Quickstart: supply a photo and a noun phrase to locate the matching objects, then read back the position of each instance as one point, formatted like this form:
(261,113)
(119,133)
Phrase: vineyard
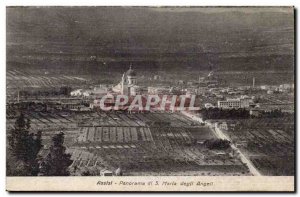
(139,143)
(163,156)
(269,142)
(17,80)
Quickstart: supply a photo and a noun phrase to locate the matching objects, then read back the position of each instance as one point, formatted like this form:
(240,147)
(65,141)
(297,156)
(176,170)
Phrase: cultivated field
(269,143)
(139,143)
(17,80)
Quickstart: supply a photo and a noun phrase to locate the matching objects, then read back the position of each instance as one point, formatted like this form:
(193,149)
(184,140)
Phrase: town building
(159,90)
(77,92)
(255,112)
(242,102)
(208,105)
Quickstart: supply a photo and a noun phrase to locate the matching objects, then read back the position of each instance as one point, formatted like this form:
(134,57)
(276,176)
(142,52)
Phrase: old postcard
(150,99)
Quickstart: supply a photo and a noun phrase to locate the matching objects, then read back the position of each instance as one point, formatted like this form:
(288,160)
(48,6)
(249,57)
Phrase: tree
(23,149)
(57,162)
(65,90)
(219,113)
(218,144)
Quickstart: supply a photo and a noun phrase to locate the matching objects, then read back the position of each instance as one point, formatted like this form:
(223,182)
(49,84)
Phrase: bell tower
(131,76)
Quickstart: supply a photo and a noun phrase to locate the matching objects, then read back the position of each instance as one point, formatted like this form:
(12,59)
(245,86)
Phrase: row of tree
(218,113)
(23,157)
(65,90)
(217,144)
(276,113)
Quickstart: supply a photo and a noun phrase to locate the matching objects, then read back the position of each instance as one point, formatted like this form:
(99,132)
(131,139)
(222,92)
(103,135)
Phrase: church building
(128,85)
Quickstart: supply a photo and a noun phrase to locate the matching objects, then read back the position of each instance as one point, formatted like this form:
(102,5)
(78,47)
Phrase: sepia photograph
(150,98)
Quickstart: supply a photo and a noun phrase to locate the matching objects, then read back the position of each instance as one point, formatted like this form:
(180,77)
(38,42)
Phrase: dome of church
(131,72)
